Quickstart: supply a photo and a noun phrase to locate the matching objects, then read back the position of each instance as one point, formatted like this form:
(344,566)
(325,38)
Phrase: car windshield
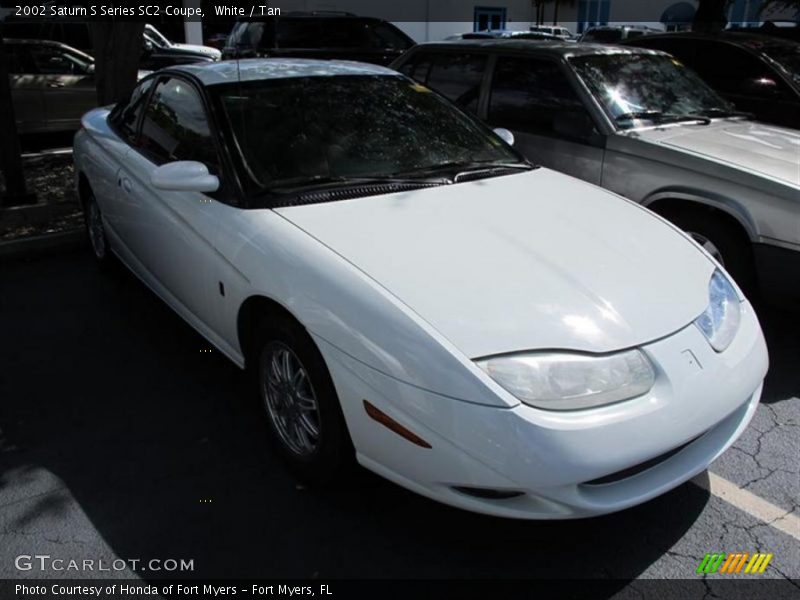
(295,131)
(787,56)
(648,87)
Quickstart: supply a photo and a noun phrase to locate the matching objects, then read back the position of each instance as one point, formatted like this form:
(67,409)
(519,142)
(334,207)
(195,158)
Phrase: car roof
(620,28)
(549,48)
(741,38)
(37,42)
(52,43)
(255,69)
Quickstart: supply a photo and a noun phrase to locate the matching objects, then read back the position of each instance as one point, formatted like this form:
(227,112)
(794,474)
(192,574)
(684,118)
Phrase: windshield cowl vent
(352,192)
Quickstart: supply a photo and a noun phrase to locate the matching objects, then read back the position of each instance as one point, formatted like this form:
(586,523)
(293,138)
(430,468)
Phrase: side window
(534,96)
(52,61)
(458,77)
(418,67)
(175,126)
(385,35)
(127,118)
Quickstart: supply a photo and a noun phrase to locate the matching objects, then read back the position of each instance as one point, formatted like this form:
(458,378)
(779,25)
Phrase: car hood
(526,261)
(763,149)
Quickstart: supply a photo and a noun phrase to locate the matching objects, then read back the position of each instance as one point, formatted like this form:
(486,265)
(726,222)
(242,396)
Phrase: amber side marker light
(381,417)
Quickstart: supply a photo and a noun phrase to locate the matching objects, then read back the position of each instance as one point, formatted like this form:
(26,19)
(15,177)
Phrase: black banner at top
(509,12)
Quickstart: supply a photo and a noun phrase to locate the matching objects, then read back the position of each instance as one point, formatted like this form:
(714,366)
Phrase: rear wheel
(300,402)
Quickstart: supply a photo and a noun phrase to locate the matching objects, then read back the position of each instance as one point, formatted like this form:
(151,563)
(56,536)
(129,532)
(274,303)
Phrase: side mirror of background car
(90,69)
(505,135)
(184,176)
(147,47)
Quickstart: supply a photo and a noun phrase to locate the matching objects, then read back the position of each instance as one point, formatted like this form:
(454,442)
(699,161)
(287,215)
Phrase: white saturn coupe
(411,293)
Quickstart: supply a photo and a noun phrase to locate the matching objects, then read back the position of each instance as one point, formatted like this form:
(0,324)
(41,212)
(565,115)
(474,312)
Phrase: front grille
(640,468)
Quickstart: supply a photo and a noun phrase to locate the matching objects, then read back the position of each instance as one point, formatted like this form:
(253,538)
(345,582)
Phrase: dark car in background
(320,35)
(759,74)
(76,34)
(52,85)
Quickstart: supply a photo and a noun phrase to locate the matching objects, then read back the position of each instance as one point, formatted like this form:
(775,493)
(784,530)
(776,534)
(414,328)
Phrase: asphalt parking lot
(121,437)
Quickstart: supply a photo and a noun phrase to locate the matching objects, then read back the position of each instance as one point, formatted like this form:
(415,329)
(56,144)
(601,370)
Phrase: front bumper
(700,404)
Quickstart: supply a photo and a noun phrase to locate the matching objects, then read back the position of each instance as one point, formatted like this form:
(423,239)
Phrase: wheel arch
(253,310)
(669,201)
(84,188)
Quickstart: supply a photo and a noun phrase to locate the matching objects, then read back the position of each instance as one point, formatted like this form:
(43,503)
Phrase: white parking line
(753,505)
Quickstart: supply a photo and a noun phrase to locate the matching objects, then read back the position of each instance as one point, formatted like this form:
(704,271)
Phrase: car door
(535,100)
(26,89)
(170,234)
(68,85)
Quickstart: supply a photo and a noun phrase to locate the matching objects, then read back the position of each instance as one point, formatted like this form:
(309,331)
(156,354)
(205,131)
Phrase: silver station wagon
(641,124)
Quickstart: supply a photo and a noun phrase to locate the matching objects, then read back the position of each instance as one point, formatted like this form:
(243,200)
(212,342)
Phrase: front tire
(300,403)
(95,230)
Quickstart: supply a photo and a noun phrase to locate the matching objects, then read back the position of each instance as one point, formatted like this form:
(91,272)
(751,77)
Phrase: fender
(729,206)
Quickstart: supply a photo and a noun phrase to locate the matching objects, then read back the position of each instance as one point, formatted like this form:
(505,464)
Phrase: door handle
(55,84)
(125,184)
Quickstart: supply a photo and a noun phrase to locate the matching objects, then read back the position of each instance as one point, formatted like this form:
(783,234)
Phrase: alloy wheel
(290,400)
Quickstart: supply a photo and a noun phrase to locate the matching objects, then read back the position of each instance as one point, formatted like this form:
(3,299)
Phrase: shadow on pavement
(164,450)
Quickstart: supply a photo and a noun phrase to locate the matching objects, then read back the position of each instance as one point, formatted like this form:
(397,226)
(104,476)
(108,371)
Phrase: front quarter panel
(766,209)
(270,257)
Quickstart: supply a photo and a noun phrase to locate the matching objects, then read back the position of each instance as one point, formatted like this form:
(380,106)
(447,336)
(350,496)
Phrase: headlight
(720,322)
(567,381)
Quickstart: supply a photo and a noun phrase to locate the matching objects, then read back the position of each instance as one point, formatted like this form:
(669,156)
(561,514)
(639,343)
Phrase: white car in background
(411,292)
(159,40)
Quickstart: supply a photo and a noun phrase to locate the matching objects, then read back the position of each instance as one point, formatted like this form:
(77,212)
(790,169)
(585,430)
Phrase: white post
(192,30)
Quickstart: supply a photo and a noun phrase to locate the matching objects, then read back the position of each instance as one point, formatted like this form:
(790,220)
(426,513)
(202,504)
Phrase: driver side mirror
(147,47)
(505,135)
(184,176)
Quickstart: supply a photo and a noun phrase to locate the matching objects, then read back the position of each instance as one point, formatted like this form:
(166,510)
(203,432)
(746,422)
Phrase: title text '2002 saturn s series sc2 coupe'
(409,290)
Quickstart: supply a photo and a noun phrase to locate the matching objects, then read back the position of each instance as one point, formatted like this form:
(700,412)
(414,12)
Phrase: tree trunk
(10,151)
(555,12)
(117,50)
(711,15)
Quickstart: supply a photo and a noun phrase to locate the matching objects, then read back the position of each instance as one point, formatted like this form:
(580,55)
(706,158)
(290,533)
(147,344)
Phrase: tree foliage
(711,15)
(117,50)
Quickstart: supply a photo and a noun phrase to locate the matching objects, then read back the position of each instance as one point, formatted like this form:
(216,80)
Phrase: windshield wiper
(722,113)
(466,166)
(702,119)
(641,114)
(661,117)
(302,184)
